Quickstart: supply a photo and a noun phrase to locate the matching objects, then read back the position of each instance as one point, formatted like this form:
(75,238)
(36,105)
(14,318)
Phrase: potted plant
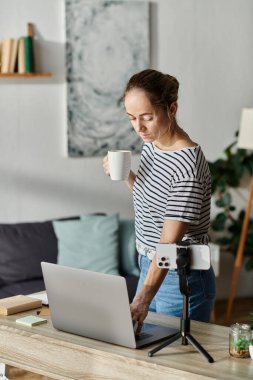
(241,339)
(227,173)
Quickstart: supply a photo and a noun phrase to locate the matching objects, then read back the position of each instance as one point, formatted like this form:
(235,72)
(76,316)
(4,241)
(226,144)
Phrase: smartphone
(166,256)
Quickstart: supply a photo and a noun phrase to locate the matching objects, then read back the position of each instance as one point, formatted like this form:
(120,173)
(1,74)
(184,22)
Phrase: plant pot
(251,351)
(239,340)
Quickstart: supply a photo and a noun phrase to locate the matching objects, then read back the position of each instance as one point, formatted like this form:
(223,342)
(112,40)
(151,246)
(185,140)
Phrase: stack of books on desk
(17,304)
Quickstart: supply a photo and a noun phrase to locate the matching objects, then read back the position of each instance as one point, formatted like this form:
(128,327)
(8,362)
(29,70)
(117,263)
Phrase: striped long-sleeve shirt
(173,185)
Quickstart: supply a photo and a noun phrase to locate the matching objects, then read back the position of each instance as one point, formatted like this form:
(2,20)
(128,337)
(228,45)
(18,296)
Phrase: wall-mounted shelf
(25,75)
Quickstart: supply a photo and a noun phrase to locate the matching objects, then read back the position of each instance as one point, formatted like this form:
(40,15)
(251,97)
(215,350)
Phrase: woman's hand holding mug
(117,164)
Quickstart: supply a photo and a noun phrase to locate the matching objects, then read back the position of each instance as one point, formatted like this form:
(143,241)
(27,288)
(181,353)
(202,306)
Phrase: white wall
(206,44)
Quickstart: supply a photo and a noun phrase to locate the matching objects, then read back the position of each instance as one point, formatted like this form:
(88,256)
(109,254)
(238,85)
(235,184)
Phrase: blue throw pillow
(90,243)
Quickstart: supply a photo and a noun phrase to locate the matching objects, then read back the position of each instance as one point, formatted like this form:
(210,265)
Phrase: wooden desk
(59,355)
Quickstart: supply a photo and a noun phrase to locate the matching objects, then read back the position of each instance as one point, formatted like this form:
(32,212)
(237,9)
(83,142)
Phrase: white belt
(145,251)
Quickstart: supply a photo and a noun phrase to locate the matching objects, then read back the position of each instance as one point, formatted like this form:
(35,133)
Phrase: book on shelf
(29,62)
(26,52)
(14,55)
(30,47)
(17,304)
(21,56)
(6,55)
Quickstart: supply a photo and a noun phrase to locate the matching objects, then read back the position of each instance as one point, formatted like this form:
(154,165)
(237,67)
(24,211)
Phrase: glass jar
(239,340)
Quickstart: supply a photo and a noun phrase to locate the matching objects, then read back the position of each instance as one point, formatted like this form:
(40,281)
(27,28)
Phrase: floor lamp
(245,141)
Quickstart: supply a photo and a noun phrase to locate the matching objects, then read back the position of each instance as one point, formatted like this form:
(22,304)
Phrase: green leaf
(241,152)
(218,224)
(227,151)
(224,201)
(221,186)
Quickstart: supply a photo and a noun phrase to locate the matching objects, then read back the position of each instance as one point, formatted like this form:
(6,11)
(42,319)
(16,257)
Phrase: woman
(171,193)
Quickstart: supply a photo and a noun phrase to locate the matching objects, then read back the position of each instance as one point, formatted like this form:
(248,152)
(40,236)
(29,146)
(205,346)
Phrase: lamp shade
(245,138)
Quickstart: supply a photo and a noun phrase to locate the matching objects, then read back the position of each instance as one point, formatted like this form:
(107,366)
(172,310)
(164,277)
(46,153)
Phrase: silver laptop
(95,305)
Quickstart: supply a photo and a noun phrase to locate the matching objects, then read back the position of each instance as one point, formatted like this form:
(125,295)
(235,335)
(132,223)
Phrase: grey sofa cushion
(22,248)
(24,287)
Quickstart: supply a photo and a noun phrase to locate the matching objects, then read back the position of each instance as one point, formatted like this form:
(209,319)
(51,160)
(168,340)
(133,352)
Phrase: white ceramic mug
(119,164)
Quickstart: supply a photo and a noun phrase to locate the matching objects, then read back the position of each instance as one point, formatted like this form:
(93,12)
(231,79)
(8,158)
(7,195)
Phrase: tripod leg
(199,348)
(171,339)
(184,340)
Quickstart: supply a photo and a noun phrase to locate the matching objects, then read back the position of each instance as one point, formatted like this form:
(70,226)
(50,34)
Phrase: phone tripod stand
(183,265)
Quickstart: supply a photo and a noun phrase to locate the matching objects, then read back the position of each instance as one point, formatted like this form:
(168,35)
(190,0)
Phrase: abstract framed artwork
(106,43)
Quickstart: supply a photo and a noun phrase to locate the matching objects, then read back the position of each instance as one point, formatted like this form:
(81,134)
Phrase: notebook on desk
(95,305)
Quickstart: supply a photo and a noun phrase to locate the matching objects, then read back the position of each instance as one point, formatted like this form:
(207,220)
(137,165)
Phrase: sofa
(97,242)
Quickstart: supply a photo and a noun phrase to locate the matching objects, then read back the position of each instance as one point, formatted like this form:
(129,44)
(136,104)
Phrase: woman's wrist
(146,294)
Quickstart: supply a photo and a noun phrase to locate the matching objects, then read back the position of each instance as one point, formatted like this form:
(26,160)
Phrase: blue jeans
(168,300)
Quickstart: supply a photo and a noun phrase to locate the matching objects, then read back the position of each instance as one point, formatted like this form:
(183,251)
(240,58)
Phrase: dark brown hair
(161,89)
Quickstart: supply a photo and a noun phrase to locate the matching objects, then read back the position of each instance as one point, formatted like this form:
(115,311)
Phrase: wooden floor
(241,313)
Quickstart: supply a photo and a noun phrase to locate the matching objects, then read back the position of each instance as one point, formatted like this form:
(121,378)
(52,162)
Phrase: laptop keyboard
(142,336)
(144,332)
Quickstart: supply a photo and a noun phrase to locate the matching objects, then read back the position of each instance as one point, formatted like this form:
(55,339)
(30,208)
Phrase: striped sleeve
(185,200)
